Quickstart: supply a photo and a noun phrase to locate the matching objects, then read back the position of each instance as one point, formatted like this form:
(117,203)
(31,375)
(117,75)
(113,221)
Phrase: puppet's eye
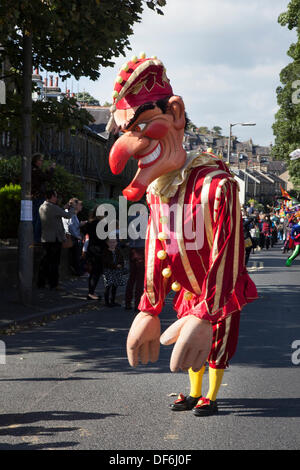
(140,127)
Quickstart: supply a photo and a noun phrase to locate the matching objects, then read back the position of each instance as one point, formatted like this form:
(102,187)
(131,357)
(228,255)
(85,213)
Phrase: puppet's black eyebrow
(144,107)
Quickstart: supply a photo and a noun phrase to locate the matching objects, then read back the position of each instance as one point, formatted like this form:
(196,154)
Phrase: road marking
(171,437)
(256,266)
(84,432)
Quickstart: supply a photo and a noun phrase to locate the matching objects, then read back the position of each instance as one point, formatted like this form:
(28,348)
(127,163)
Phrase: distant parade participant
(295,235)
(209,278)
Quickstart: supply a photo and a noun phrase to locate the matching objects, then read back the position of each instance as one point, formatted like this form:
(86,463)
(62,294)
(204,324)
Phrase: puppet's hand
(192,338)
(143,339)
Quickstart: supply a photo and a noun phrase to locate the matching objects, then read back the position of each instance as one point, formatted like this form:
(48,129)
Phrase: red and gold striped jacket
(195,246)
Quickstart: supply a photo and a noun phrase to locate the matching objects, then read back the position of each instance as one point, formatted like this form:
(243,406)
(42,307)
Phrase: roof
(277,165)
(101,115)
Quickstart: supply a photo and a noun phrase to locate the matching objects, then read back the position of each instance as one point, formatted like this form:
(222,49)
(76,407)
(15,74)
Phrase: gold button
(167,272)
(188,295)
(176,286)
(164,219)
(162,236)
(161,254)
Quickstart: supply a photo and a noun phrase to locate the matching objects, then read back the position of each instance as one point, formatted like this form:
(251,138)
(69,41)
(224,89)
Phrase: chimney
(56,82)
(51,80)
(36,71)
(45,82)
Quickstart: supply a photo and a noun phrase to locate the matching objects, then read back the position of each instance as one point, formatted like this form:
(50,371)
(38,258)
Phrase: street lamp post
(230,135)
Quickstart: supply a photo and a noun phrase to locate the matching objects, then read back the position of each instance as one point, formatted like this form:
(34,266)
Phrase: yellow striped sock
(215,380)
(196,382)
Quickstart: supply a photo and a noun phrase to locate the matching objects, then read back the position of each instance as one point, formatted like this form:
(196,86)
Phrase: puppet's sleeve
(226,269)
(156,287)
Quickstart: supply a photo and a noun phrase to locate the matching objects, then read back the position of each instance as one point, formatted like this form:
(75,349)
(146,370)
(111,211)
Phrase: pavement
(48,303)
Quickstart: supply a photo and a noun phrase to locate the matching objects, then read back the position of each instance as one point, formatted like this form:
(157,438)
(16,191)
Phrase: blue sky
(222,56)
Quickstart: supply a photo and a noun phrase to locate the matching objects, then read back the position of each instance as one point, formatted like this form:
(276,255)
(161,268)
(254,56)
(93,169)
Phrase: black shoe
(205,407)
(184,403)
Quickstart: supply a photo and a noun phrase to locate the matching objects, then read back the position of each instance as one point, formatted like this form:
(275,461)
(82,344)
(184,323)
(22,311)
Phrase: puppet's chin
(138,186)
(135,191)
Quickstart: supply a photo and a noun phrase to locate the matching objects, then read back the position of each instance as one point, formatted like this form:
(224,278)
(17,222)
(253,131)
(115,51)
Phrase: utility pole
(229,143)
(25,252)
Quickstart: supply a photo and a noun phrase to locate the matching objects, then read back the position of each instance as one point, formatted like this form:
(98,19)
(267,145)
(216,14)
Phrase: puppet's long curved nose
(125,147)
(118,157)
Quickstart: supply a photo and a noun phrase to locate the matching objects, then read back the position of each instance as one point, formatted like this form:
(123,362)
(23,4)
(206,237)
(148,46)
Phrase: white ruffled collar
(167,185)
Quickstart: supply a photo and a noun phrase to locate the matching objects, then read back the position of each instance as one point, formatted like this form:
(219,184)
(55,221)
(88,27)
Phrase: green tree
(203,130)
(191,126)
(68,38)
(64,115)
(217,130)
(10,196)
(85,97)
(286,127)
(66,184)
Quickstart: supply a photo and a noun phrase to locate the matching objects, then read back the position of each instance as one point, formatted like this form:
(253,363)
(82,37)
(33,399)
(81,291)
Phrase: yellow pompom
(188,295)
(161,254)
(119,79)
(115,94)
(162,236)
(134,59)
(125,67)
(142,55)
(167,272)
(176,286)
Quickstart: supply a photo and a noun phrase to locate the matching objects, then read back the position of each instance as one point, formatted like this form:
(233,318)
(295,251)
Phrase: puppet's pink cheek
(157,130)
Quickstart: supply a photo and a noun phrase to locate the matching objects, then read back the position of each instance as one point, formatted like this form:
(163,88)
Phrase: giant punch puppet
(203,265)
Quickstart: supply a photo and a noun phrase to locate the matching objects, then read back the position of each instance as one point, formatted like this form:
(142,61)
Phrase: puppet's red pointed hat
(139,81)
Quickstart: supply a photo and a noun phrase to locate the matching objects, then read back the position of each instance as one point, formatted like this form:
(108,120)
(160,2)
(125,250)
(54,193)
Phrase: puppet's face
(153,138)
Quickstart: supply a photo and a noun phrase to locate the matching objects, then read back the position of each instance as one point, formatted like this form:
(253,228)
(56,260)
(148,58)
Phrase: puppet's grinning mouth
(148,160)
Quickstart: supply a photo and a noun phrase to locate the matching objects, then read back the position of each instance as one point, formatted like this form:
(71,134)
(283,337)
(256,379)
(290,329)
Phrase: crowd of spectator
(264,230)
(89,255)
(118,262)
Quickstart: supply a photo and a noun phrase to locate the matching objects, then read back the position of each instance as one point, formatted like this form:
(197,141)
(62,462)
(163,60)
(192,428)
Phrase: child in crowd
(113,270)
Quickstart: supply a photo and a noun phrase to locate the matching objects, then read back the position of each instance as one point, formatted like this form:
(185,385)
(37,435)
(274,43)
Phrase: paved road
(67,384)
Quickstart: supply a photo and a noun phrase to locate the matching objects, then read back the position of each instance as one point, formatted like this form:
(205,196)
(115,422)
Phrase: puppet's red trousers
(225,339)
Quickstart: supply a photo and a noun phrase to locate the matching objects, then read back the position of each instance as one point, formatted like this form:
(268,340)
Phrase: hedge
(10,197)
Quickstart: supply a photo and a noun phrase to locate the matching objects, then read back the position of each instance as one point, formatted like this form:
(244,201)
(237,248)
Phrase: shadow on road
(261,408)
(19,425)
